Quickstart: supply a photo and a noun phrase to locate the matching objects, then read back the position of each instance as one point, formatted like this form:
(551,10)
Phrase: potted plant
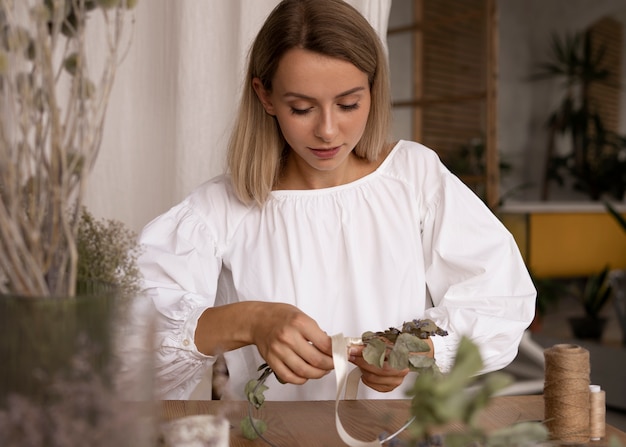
(549,292)
(56,75)
(594,295)
(596,162)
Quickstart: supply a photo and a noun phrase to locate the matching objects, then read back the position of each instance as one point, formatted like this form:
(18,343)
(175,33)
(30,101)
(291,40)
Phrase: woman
(322,227)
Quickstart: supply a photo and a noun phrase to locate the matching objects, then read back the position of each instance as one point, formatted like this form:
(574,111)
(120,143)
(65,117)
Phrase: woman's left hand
(383,379)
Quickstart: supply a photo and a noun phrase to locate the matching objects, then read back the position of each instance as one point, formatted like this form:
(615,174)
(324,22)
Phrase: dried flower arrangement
(53,112)
(62,384)
(58,62)
(107,255)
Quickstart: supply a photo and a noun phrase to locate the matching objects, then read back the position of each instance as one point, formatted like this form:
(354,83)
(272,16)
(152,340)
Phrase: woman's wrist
(228,327)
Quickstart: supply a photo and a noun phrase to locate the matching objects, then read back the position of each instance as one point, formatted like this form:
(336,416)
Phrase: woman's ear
(264,96)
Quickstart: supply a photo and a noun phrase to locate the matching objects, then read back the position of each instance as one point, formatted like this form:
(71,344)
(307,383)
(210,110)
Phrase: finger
(381,383)
(318,338)
(355,351)
(296,362)
(293,369)
(285,374)
(386,370)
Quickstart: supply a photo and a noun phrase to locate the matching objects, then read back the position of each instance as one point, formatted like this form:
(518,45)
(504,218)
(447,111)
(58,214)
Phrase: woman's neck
(296,176)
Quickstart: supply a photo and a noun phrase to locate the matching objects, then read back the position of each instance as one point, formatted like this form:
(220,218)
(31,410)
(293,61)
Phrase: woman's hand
(383,379)
(291,343)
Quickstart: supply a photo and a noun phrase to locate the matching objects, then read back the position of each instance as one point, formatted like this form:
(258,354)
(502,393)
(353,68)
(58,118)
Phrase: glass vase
(61,369)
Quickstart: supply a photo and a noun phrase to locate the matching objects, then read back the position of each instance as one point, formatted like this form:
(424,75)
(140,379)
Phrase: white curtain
(174,100)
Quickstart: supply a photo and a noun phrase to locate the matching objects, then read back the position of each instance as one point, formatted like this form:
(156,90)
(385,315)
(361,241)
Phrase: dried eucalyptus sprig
(457,397)
(402,348)
(251,427)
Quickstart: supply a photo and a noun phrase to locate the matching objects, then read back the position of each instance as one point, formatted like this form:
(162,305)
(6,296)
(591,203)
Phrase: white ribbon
(348,381)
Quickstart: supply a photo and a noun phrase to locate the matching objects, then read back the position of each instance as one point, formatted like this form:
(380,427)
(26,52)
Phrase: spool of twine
(597,413)
(566,393)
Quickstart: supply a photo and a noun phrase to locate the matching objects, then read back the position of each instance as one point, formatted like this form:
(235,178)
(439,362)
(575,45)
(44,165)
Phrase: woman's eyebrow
(340,95)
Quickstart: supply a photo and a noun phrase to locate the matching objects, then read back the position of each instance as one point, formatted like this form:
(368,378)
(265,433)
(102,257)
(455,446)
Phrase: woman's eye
(295,111)
(349,107)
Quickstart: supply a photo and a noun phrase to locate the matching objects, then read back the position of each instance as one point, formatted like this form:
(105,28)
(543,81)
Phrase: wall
(523,106)
(525,31)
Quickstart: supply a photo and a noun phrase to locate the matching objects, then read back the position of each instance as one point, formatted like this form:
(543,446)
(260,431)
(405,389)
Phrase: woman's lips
(325,153)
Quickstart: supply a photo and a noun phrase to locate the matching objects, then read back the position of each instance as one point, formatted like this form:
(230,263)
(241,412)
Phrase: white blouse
(407,241)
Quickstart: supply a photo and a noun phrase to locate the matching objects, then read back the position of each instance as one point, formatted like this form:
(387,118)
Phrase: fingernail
(353,351)
(352,358)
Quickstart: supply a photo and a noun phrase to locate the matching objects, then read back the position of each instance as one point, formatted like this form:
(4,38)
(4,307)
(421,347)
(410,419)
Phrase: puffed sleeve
(180,267)
(475,275)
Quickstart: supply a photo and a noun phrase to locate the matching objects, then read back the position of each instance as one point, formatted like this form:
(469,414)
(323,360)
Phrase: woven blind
(453,74)
(605,96)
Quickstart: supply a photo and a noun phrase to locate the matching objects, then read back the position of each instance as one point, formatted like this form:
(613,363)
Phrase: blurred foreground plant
(55,84)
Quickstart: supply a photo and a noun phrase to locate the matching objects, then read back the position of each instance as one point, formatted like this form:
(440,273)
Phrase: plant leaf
(413,343)
(254,392)
(418,362)
(375,352)
(399,357)
(247,430)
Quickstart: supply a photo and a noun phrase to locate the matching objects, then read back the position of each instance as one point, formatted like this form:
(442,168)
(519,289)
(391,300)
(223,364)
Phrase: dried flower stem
(52,124)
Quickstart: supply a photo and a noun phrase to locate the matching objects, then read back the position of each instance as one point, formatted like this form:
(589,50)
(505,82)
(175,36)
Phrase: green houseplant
(596,293)
(593,296)
(596,162)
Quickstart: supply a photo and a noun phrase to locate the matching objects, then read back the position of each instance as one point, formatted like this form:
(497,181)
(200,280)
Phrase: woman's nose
(326,128)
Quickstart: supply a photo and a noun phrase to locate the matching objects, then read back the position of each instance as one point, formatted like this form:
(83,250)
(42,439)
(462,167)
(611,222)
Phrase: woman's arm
(291,342)
(476,277)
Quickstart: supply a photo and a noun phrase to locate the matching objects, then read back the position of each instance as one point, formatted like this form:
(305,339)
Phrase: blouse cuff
(189,334)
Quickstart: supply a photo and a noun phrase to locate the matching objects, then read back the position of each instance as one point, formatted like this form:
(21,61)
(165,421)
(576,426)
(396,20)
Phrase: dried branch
(53,116)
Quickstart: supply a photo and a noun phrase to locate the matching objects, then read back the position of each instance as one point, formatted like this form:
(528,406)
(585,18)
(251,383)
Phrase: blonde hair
(328,27)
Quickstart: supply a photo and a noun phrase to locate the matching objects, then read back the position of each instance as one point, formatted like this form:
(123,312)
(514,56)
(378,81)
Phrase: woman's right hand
(292,343)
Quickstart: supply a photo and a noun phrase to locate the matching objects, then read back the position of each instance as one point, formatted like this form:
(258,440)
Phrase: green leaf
(399,357)
(467,363)
(108,4)
(413,343)
(463,439)
(375,352)
(368,335)
(491,384)
(71,63)
(254,392)
(419,362)
(248,430)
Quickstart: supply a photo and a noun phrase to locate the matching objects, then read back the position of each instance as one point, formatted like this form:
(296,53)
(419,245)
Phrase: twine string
(597,414)
(566,393)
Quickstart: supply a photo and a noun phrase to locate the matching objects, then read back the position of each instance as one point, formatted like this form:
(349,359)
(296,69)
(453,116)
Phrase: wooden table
(312,423)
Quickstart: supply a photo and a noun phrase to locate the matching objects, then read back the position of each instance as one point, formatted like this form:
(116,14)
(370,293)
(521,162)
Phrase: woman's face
(321,104)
